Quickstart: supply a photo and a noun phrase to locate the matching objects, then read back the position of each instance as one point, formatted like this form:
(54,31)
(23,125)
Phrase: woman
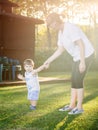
(74,41)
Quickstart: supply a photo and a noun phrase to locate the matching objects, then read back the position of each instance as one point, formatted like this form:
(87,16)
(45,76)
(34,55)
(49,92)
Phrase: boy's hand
(20,76)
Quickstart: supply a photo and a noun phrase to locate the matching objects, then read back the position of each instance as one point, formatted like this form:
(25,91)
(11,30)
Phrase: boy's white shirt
(32,81)
(70,34)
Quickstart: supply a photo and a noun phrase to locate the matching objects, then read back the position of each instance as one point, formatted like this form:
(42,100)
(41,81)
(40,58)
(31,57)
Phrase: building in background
(17,33)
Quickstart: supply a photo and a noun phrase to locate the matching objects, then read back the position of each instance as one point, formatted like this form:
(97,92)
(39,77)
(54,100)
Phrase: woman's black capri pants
(77,77)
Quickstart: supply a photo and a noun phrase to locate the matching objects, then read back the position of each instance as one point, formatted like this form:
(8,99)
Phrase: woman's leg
(77,93)
(78,82)
(73,97)
(80,96)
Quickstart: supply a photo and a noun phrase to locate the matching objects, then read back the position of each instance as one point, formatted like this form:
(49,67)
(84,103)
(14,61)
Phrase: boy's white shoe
(32,107)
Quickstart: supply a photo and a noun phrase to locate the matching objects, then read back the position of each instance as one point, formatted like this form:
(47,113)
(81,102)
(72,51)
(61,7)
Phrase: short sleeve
(74,33)
(59,42)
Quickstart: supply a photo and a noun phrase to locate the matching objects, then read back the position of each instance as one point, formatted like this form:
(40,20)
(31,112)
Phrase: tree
(69,9)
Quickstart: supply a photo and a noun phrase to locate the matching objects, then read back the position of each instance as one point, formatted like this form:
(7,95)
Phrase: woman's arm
(55,55)
(39,69)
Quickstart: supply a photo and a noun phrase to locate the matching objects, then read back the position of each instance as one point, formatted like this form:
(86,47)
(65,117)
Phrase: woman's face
(52,24)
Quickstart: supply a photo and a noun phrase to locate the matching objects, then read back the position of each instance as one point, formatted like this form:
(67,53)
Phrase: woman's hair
(53,17)
(29,62)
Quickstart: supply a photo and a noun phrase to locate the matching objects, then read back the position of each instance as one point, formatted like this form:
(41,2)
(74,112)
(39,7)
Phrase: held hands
(42,67)
(46,65)
(82,67)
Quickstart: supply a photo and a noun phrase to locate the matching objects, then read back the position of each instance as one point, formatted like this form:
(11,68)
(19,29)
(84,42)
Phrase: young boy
(31,78)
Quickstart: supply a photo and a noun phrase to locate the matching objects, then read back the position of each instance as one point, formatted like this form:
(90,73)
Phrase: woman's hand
(54,56)
(82,67)
(46,66)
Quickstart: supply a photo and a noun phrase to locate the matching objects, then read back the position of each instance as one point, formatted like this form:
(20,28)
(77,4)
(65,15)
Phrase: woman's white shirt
(67,38)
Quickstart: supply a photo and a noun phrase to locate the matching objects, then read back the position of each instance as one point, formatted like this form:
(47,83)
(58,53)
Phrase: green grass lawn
(15,113)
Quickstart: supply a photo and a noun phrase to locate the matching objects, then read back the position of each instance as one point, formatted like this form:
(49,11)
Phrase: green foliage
(42,39)
(41,8)
(32,8)
(70,10)
(63,63)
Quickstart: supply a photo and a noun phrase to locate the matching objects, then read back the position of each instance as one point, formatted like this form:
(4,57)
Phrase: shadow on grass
(13,114)
(95,125)
(90,97)
(11,117)
(52,121)
(59,120)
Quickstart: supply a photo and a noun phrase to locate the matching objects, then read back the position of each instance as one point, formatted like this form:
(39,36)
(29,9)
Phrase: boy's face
(28,68)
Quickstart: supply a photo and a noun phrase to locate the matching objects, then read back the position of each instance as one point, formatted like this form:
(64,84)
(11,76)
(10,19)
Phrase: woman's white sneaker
(75,111)
(65,108)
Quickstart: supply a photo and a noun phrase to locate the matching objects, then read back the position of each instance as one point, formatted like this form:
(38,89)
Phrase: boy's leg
(33,98)
(33,103)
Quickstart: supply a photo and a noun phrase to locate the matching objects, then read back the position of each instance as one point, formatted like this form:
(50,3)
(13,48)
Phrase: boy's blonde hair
(29,62)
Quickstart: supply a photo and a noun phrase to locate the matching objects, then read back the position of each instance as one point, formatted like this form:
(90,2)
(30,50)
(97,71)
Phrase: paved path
(42,80)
